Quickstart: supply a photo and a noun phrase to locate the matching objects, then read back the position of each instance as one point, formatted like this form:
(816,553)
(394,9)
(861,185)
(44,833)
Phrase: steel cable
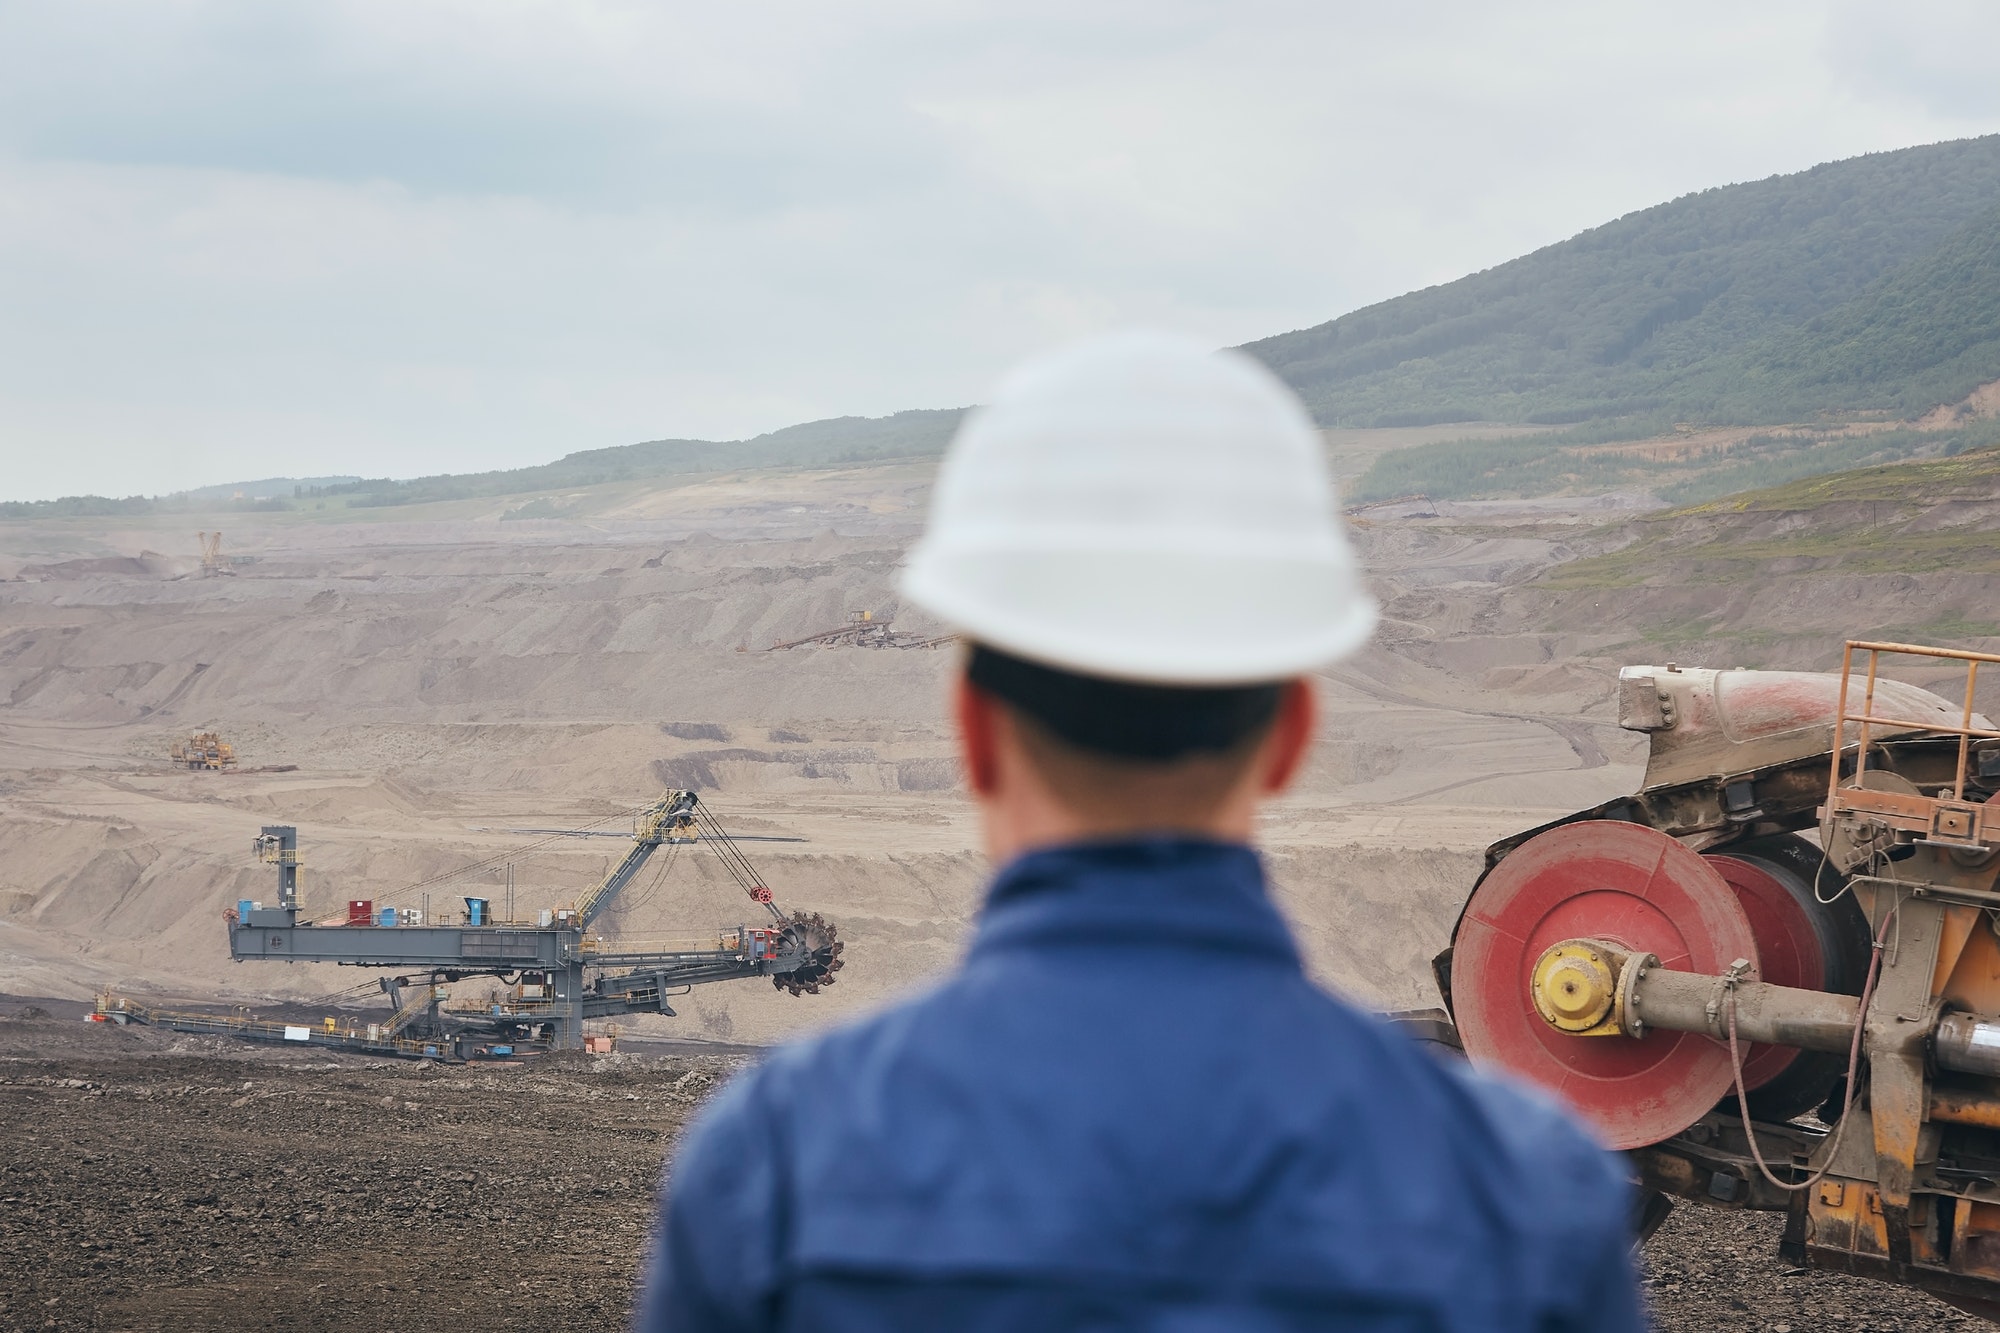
(1853,1070)
(501,857)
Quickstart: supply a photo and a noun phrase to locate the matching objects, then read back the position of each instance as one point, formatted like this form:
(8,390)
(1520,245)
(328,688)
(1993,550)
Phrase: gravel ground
(1709,1269)
(155,1181)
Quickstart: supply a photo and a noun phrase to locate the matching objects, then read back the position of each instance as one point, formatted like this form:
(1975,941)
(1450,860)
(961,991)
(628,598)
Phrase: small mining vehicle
(863,630)
(558,970)
(1772,975)
(203,750)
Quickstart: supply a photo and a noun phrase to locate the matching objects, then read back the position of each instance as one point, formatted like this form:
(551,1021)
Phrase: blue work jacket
(1130,1109)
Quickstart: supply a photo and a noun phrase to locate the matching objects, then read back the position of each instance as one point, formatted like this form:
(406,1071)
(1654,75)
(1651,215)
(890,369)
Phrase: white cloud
(240,239)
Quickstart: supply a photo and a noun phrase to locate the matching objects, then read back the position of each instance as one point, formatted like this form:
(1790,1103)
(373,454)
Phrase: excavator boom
(561,973)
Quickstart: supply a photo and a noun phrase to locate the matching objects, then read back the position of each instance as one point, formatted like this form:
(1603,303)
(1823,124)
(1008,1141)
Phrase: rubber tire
(1844,942)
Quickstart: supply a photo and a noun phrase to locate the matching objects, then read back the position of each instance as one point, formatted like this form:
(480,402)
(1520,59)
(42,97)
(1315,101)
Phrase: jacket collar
(1162,890)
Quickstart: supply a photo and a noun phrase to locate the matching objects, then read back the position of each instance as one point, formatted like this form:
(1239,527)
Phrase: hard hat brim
(1157,618)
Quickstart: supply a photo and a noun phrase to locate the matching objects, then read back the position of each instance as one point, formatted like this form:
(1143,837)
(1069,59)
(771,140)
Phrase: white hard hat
(1142,508)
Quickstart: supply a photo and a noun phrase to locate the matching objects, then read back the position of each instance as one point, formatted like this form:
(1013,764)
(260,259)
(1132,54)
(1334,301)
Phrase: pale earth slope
(438,678)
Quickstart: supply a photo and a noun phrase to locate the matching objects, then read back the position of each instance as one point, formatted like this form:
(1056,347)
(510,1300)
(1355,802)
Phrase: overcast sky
(246,238)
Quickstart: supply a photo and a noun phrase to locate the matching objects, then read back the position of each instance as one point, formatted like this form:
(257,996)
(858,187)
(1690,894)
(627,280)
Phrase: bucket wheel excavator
(1772,975)
(561,971)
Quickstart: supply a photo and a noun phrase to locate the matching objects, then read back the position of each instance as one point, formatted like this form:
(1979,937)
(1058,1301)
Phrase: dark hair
(1155,723)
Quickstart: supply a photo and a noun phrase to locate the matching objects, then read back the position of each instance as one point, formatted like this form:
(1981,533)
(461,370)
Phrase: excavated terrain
(150,1181)
(421,691)
(409,694)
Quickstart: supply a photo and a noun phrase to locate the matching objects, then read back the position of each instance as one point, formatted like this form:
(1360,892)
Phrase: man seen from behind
(1129,1108)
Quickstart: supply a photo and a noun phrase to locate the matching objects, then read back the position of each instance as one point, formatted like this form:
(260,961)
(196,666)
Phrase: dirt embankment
(1780,577)
(475,631)
(436,688)
(439,687)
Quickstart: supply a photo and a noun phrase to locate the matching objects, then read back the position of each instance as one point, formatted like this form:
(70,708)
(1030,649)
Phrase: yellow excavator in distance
(204,750)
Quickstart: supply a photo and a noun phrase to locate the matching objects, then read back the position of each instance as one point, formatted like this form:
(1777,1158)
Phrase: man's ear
(977,716)
(1291,736)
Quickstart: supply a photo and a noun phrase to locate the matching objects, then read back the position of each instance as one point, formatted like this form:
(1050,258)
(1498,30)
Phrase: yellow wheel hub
(1574,986)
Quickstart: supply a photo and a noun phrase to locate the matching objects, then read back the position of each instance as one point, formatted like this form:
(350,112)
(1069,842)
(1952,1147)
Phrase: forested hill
(838,442)
(1925,334)
(1863,289)
(1869,285)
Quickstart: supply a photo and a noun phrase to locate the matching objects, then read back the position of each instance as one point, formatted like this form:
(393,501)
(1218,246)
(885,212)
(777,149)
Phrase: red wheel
(1820,938)
(1630,886)
(1788,950)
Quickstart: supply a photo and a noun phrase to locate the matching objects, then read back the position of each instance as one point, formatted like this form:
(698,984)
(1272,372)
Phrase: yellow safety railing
(1948,820)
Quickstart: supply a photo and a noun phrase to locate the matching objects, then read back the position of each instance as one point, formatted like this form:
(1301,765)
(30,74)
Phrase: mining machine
(213,565)
(203,750)
(863,630)
(558,970)
(1772,975)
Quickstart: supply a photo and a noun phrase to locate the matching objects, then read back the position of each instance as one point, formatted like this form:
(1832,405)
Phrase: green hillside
(833,443)
(1533,465)
(1778,577)
(1748,303)
(1902,518)
(1865,291)
(1926,333)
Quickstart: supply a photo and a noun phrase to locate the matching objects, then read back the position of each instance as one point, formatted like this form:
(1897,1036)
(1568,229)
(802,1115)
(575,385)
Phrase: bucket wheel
(1631,887)
(1640,890)
(816,941)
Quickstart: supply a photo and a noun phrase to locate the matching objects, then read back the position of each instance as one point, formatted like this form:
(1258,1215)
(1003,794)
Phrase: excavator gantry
(562,973)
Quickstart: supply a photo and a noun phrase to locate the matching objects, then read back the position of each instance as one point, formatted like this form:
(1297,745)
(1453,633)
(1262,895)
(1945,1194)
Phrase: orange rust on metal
(1839,725)
(1973,982)
(1910,839)
(1936,817)
(1955,934)
(1851,1226)
(1968,730)
(1896,804)
(1897,1057)
(1846,1217)
(1965,739)
(1960,1106)
(1976,1232)
(1952,820)
(1867,710)
(1923,650)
